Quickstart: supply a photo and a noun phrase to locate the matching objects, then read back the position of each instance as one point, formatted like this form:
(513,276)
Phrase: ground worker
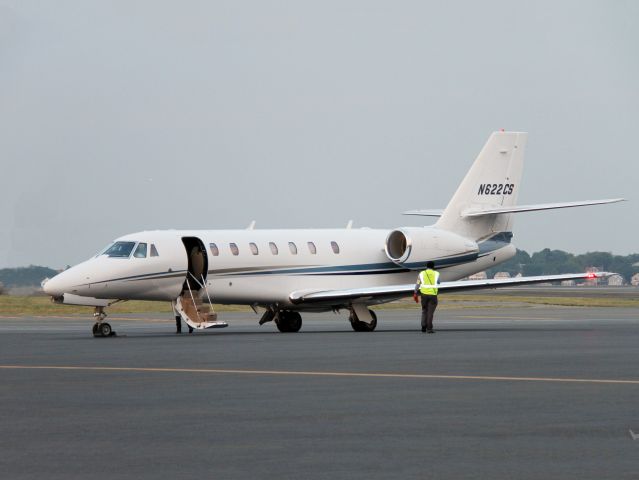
(426,286)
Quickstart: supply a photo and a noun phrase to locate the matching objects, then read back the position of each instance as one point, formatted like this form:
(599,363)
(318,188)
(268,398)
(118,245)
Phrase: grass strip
(42,306)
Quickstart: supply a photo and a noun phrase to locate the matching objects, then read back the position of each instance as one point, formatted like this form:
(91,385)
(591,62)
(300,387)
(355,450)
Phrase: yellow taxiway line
(322,374)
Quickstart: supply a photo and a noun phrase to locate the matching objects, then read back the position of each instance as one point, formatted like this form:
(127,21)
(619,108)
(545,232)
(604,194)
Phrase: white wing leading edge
(535,208)
(392,292)
(479,211)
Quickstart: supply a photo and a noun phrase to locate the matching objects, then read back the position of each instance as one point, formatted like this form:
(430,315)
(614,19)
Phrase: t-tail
(486,199)
(493,181)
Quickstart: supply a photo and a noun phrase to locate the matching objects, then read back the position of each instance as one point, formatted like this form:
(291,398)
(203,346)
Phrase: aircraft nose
(53,286)
(63,282)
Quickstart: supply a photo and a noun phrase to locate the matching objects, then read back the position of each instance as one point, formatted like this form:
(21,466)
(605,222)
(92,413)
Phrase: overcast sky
(121,116)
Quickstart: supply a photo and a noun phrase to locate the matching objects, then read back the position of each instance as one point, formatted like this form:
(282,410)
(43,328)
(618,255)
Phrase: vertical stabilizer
(493,181)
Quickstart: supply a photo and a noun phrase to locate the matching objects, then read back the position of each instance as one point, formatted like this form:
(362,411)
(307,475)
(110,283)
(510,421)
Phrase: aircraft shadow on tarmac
(443,331)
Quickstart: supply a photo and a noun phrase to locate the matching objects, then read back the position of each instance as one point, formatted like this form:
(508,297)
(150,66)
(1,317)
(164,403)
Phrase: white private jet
(286,272)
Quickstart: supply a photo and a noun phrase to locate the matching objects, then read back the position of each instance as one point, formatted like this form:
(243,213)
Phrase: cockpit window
(140,252)
(154,251)
(120,250)
(103,251)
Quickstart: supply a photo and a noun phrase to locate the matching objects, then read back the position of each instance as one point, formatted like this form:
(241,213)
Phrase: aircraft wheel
(360,326)
(296,322)
(96,330)
(105,329)
(289,322)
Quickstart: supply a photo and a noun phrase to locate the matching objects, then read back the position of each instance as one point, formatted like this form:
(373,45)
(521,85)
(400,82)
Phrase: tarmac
(514,392)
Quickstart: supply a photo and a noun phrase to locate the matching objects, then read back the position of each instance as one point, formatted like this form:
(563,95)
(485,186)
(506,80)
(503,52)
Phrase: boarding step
(197,314)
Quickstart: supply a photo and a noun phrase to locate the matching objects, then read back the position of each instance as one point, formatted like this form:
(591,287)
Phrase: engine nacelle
(412,247)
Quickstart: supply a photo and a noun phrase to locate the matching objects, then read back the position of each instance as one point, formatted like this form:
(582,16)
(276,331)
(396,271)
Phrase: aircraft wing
(393,292)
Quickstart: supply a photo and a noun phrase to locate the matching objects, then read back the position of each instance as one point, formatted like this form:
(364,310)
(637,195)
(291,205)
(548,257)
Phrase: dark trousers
(178,325)
(429,304)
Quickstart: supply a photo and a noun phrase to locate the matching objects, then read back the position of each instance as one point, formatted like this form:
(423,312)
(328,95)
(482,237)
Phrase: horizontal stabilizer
(424,213)
(477,212)
(392,292)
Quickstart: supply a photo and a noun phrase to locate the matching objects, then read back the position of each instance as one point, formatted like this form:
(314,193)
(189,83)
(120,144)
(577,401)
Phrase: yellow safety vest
(428,282)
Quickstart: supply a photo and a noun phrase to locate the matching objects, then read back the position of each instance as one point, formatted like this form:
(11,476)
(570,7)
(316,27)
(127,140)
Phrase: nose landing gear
(100,327)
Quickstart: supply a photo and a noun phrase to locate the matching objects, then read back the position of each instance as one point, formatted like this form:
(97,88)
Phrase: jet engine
(412,247)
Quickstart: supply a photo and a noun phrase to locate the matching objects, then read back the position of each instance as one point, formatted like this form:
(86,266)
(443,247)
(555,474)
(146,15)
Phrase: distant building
(478,276)
(502,275)
(615,280)
(634,281)
(568,283)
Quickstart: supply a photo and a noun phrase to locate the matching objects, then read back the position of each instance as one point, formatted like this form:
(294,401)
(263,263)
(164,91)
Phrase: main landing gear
(286,321)
(361,326)
(100,327)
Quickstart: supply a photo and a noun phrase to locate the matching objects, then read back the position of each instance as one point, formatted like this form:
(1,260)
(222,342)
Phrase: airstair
(194,310)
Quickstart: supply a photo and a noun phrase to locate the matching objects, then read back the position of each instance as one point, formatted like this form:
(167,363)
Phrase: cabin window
(154,251)
(273,247)
(234,249)
(292,247)
(335,247)
(140,251)
(254,249)
(214,250)
(120,250)
(311,248)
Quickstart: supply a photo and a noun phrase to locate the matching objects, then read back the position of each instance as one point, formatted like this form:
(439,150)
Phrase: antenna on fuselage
(349,225)
(251,226)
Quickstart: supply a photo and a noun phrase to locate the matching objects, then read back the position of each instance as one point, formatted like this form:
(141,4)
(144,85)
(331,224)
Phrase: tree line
(551,262)
(30,276)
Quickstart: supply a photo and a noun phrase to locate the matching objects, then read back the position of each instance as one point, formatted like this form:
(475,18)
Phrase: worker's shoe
(430,331)
(423,329)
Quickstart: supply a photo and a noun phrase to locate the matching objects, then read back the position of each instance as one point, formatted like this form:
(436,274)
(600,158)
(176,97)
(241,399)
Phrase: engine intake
(412,247)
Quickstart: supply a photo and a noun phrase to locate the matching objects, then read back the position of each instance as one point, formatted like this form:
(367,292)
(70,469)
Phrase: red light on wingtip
(591,275)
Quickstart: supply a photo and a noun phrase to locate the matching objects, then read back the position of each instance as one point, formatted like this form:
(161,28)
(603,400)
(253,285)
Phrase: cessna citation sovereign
(285,272)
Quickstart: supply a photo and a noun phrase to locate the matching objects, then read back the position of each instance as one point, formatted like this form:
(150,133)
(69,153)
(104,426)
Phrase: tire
(360,326)
(281,322)
(295,322)
(105,330)
(96,330)
(288,322)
